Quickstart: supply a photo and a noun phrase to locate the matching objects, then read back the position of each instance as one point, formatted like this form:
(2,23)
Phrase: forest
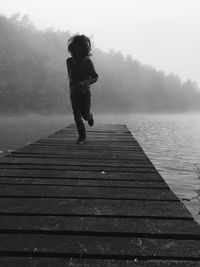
(33,76)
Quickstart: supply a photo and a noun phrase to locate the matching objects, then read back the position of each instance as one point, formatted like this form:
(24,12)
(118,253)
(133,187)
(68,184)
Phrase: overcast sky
(161,33)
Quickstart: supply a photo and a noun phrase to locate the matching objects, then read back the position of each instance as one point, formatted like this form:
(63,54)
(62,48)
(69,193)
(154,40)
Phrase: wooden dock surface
(98,204)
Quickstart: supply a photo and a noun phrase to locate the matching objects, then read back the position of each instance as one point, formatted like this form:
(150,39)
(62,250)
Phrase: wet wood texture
(102,203)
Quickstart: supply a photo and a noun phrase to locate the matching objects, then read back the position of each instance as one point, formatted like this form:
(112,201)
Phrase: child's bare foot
(80,141)
(91,121)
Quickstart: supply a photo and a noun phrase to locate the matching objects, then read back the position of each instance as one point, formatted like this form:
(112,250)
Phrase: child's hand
(80,84)
(85,82)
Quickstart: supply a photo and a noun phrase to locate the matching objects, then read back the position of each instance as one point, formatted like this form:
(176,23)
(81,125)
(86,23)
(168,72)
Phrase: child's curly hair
(79,46)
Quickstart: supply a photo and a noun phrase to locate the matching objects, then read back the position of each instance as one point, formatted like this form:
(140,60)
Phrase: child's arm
(89,81)
(93,75)
(68,68)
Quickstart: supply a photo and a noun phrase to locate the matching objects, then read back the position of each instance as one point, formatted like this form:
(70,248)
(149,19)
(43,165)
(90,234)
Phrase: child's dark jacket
(79,71)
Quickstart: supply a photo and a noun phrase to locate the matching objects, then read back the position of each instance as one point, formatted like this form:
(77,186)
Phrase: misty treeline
(33,76)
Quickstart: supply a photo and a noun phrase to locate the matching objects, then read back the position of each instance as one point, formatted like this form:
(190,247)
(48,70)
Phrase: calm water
(172,142)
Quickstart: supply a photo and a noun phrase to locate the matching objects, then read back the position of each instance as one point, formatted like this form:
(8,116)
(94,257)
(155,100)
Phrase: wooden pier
(98,204)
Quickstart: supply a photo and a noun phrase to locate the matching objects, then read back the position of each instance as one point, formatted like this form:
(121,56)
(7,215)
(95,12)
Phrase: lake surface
(172,142)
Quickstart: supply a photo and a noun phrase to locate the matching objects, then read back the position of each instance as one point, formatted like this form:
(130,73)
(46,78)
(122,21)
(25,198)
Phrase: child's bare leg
(85,106)
(77,117)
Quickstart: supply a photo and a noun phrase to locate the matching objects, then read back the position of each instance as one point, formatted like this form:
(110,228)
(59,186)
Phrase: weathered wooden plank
(97,128)
(141,176)
(74,133)
(96,133)
(81,154)
(76,167)
(76,149)
(97,138)
(110,247)
(72,146)
(90,144)
(137,227)
(87,145)
(102,127)
(91,140)
(103,131)
(81,262)
(101,124)
(66,133)
(84,147)
(97,207)
(86,192)
(99,132)
(79,162)
(94,129)
(84,182)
